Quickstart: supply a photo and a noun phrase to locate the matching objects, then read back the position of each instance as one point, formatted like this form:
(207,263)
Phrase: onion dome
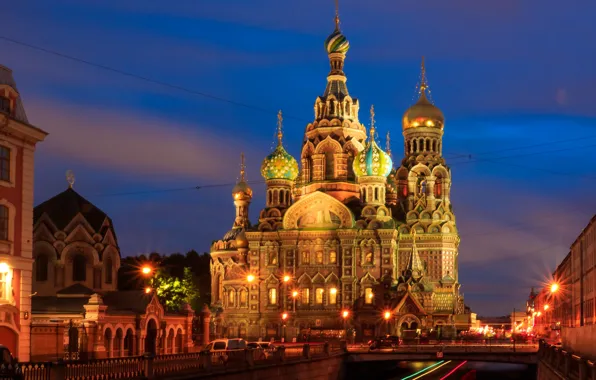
(372,161)
(242,190)
(241,240)
(279,164)
(423,113)
(337,43)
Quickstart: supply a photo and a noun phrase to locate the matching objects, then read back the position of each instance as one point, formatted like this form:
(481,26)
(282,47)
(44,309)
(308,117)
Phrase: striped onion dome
(337,43)
(372,161)
(279,165)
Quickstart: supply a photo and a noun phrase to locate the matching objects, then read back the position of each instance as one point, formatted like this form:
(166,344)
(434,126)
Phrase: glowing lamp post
(387,316)
(147,290)
(250,278)
(284,318)
(146,270)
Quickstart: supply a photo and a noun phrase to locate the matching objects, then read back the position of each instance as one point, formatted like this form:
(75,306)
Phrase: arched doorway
(10,339)
(73,340)
(118,351)
(107,342)
(170,341)
(179,341)
(151,337)
(129,343)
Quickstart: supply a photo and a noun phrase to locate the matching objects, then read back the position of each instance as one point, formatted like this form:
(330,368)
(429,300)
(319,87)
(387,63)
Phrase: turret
(242,195)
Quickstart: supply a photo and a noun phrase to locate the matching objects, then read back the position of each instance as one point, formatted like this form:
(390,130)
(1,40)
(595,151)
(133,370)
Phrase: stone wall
(327,368)
(580,340)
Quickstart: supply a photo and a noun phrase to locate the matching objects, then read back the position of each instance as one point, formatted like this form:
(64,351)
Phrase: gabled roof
(62,208)
(75,290)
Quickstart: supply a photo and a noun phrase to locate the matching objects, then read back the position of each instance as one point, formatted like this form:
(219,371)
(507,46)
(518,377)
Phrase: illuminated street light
(345,314)
(146,270)
(387,315)
(554,287)
(4,268)
(286,278)
(250,278)
(546,307)
(147,290)
(284,316)
(295,293)
(539,314)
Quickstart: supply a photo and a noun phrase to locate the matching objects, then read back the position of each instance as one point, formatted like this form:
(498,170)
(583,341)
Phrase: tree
(174,292)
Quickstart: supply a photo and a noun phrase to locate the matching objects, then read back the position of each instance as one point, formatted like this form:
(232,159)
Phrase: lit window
(332,296)
(4,104)
(368,296)
(5,277)
(319,257)
(305,257)
(273,258)
(41,268)
(3,222)
(4,163)
(319,295)
(231,297)
(243,297)
(305,299)
(273,296)
(332,257)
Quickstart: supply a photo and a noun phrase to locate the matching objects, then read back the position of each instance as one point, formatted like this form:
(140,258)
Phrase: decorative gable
(318,210)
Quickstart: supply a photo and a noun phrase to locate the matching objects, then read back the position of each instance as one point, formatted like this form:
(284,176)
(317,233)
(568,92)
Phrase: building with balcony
(345,240)
(18,139)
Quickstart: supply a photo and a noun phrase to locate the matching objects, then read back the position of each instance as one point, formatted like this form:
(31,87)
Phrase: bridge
(301,361)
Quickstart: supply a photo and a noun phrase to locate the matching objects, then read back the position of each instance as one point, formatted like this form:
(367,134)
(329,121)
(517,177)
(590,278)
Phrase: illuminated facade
(77,310)
(18,139)
(345,230)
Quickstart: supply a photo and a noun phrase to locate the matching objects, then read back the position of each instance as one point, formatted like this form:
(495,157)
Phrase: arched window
(368,258)
(243,297)
(329,165)
(351,174)
(272,296)
(439,187)
(332,257)
(41,268)
(79,268)
(109,268)
(305,297)
(368,296)
(231,297)
(319,257)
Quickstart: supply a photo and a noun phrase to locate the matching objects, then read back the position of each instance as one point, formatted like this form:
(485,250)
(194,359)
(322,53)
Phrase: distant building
(342,230)
(77,310)
(18,139)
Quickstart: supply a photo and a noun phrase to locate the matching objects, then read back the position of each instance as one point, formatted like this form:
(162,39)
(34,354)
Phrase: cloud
(132,143)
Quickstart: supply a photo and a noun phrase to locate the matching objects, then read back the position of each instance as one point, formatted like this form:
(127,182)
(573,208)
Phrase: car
(222,350)
(387,341)
(263,350)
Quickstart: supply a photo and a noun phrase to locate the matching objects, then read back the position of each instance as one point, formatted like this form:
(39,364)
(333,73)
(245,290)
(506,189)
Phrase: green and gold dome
(337,43)
(279,164)
(372,161)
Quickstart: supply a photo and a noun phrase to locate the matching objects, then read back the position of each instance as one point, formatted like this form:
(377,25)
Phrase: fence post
(58,370)
(326,348)
(148,361)
(306,351)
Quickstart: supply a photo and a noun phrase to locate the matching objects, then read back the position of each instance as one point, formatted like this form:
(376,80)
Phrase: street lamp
(387,315)
(287,278)
(345,314)
(146,270)
(284,317)
(250,278)
(546,307)
(148,290)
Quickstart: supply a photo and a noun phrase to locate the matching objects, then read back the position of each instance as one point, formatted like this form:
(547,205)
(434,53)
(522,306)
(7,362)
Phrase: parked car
(387,341)
(221,349)
(263,350)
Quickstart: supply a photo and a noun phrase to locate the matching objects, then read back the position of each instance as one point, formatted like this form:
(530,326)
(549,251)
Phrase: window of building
(319,292)
(79,268)
(332,296)
(5,290)
(4,163)
(231,297)
(329,165)
(332,257)
(368,258)
(319,257)
(4,104)
(368,296)
(243,297)
(273,258)
(272,296)
(3,222)
(305,298)
(109,269)
(305,257)
(41,268)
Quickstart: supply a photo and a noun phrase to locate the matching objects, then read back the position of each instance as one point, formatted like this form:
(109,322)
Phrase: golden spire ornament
(423,83)
(388,144)
(70,178)
(372,122)
(242,167)
(337,15)
(280,120)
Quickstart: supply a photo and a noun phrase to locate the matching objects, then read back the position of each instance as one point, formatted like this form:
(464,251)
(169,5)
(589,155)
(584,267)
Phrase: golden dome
(423,114)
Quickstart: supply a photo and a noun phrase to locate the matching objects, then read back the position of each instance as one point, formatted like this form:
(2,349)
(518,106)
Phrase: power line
(146,79)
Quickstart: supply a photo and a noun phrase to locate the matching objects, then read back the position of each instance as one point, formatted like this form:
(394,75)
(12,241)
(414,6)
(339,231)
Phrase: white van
(220,349)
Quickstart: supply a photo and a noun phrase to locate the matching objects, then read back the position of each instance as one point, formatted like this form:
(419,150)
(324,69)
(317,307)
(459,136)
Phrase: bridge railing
(150,366)
(566,364)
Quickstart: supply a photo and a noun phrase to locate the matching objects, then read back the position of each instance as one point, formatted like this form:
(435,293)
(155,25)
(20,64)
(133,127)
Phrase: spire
(423,83)
(388,145)
(337,15)
(70,178)
(415,268)
(279,127)
(242,168)
(372,123)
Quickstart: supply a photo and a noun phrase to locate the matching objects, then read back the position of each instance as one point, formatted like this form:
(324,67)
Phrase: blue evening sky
(515,80)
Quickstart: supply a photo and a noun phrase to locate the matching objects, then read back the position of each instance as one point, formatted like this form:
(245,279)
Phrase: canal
(444,369)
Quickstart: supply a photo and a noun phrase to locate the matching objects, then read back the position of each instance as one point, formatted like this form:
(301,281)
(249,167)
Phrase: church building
(77,310)
(346,240)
